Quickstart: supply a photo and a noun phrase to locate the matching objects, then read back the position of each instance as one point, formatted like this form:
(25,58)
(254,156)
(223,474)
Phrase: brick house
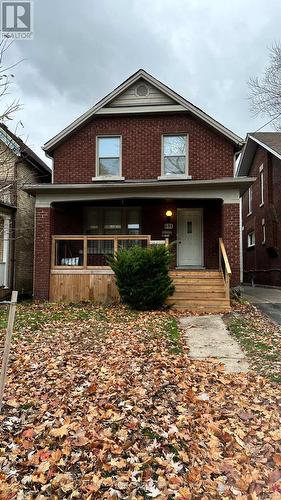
(261,208)
(19,165)
(142,166)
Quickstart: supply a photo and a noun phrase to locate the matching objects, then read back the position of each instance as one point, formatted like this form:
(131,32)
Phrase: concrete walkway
(208,337)
(268,300)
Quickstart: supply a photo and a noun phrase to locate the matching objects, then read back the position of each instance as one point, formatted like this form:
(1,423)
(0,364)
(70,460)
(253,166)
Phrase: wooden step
(199,291)
(198,282)
(213,309)
(200,300)
(184,294)
(199,275)
(199,288)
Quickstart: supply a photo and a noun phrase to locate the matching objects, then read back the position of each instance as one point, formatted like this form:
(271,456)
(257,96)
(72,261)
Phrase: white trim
(108,177)
(191,210)
(141,109)
(144,75)
(175,176)
(103,178)
(260,143)
(265,146)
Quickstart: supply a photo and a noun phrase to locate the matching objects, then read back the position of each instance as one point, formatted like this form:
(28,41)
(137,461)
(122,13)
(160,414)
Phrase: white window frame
(108,177)
(251,244)
(250,200)
(166,177)
(261,185)
(263,232)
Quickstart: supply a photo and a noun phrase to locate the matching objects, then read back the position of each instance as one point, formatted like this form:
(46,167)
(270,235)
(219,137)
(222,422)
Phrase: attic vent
(142,90)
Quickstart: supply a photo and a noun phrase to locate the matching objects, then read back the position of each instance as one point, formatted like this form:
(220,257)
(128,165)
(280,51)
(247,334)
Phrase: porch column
(44,228)
(231,238)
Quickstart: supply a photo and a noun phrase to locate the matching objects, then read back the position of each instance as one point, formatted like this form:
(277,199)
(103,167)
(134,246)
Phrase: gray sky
(205,50)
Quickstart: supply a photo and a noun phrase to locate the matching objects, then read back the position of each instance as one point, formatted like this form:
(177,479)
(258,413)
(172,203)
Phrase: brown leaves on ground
(259,337)
(105,403)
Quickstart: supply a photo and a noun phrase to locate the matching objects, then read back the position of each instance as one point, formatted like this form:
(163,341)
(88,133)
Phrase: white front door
(189,246)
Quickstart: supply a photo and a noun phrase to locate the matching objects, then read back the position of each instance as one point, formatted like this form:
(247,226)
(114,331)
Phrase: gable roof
(16,144)
(181,104)
(271,141)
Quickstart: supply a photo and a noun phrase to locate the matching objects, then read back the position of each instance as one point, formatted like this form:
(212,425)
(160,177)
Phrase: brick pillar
(231,238)
(44,223)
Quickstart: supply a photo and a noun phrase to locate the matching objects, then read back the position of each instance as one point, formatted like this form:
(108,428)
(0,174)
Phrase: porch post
(231,238)
(44,228)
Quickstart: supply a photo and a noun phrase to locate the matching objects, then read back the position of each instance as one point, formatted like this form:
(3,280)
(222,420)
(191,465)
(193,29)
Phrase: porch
(200,269)
(193,215)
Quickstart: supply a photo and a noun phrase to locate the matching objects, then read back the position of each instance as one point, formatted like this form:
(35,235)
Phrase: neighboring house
(141,166)
(19,165)
(261,208)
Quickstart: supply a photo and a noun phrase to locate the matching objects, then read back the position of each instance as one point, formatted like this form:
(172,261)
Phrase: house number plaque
(168,226)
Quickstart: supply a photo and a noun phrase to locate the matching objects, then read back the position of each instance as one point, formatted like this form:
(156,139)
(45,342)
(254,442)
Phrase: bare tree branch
(265,92)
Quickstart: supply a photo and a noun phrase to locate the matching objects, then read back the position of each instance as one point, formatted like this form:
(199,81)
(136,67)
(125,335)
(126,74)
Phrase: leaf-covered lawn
(105,403)
(259,337)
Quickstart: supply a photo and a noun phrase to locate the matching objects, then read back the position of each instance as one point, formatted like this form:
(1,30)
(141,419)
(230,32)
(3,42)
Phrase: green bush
(142,276)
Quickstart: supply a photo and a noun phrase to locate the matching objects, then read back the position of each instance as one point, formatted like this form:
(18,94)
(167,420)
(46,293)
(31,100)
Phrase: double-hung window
(108,156)
(263,231)
(261,186)
(251,239)
(250,200)
(174,155)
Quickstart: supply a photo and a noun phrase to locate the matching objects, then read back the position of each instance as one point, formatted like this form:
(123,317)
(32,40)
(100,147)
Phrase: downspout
(241,241)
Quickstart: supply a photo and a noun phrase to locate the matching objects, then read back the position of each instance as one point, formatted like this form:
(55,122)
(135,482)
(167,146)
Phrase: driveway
(268,300)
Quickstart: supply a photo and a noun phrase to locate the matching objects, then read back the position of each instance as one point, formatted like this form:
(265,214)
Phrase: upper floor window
(251,239)
(250,200)
(108,156)
(174,155)
(261,186)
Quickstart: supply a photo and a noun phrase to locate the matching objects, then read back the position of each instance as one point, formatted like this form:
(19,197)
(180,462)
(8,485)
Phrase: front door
(189,246)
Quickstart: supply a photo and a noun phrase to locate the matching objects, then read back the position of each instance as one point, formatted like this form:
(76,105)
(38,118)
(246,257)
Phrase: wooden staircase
(200,291)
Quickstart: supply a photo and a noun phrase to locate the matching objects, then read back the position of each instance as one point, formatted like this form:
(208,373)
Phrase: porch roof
(146,188)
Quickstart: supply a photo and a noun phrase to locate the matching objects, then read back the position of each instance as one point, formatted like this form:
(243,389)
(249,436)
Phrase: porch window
(251,239)
(174,155)
(112,220)
(108,156)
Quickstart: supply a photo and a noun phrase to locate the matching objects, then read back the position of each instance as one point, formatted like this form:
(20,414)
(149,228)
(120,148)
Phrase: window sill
(251,246)
(173,177)
(108,178)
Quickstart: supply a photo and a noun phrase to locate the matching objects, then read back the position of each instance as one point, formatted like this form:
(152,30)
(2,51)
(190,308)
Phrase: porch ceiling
(227,189)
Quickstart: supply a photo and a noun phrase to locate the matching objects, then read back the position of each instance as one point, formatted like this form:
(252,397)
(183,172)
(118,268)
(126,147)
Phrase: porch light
(169,213)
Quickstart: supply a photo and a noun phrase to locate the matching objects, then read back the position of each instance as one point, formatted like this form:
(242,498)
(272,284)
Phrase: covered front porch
(86,234)
(79,226)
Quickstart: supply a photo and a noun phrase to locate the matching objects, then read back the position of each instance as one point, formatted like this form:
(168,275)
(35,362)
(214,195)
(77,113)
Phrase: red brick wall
(210,154)
(260,264)
(231,238)
(44,230)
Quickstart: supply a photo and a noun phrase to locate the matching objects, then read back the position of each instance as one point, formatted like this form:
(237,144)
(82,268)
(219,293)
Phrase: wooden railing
(83,252)
(224,266)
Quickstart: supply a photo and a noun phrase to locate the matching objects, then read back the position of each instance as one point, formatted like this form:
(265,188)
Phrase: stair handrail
(224,265)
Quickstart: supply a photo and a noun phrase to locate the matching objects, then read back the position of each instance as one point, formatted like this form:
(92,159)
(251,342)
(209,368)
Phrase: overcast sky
(205,50)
